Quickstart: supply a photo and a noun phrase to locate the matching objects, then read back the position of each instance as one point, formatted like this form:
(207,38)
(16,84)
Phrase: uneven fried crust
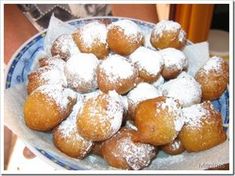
(121,44)
(205,135)
(213,83)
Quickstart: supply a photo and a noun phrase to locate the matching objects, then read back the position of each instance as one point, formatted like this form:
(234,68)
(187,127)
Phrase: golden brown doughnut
(91,38)
(143,91)
(64,46)
(174,148)
(158,120)
(203,127)
(67,138)
(50,75)
(213,78)
(52,61)
(116,73)
(174,62)
(120,151)
(101,116)
(168,34)
(124,37)
(184,88)
(47,106)
(148,62)
(80,71)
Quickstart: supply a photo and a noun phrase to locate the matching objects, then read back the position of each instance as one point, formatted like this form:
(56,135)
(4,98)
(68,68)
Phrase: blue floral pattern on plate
(22,61)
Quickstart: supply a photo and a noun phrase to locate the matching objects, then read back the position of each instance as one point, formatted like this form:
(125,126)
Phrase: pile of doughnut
(102,91)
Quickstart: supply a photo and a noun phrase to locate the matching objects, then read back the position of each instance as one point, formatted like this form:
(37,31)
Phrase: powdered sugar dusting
(182,36)
(137,155)
(194,114)
(214,63)
(166,25)
(158,82)
(61,96)
(147,60)
(55,61)
(116,68)
(115,109)
(51,75)
(68,128)
(93,32)
(174,58)
(110,112)
(80,70)
(184,88)
(141,92)
(130,29)
(173,107)
(66,44)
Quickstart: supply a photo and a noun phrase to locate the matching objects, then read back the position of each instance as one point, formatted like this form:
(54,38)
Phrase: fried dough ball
(91,38)
(168,34)
(50,75)
(174,148)
(67,138)
(116,73)
(124,37)
(47,106)
(64,46)
(158,120)
(213,78)
(174,62)
(184,88)
(80,71)
(148,62)
(122,152)
(101,116)
(143,91)
(52,61)
(203,127)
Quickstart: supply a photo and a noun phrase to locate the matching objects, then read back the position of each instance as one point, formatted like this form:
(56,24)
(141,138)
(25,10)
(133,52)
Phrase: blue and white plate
(22,62)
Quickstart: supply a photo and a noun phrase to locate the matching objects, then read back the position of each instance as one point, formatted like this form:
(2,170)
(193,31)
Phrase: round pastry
(115,73)
(47,106)
(50,75)
(143,91)
(203,127)
(80,71)
(121,151)
(64,46)
(67,138)
(148,62)
(52,61)
(91,38)
(184,88)
(213,78)
(174,62)
(124,37)
(168,34)
(158,120)
(174,148)
(100,117)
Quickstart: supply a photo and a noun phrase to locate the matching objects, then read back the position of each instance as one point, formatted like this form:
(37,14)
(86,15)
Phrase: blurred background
(202,22)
